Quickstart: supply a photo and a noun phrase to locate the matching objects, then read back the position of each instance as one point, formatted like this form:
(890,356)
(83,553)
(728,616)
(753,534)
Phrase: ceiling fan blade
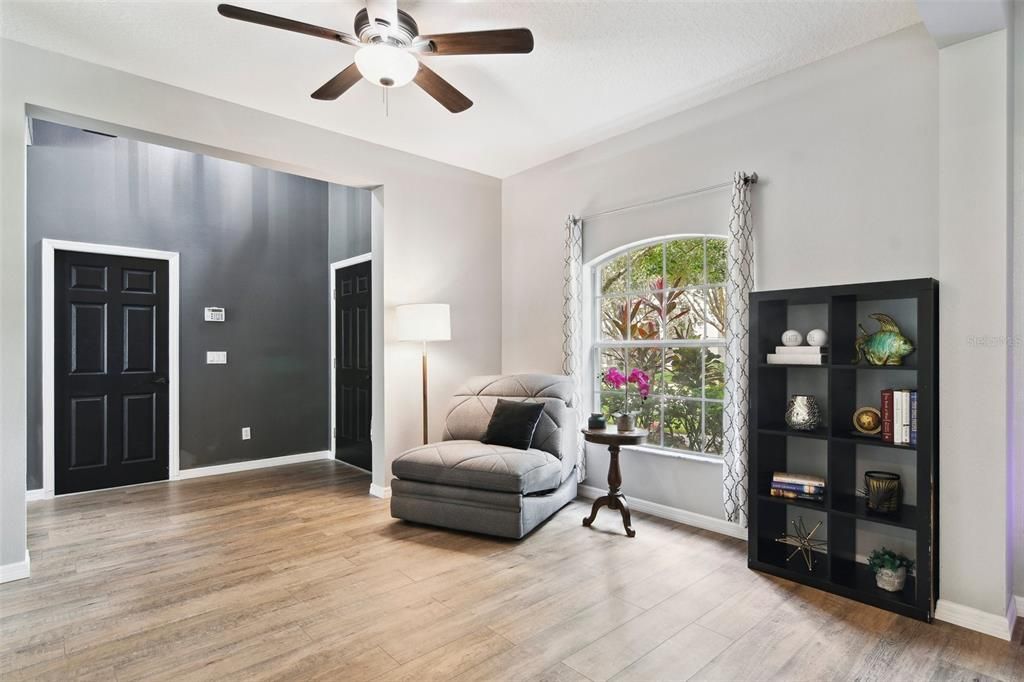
(336,87)
(441,90)
(501,41)
(254,17)
(383,13)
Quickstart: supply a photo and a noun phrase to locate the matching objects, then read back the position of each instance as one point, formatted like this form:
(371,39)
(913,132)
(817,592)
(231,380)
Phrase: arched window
(660,307)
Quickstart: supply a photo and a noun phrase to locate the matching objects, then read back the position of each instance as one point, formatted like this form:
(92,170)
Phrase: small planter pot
(883,491)
(890,580)
(624,422)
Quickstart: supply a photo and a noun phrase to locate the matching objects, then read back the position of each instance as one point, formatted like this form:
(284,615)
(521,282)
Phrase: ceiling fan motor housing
(401,35)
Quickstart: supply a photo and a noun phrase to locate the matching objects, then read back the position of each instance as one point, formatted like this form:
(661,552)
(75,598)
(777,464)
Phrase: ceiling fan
(390,47)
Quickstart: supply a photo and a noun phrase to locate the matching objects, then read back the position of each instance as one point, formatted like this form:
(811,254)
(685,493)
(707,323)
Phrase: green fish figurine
(887,346)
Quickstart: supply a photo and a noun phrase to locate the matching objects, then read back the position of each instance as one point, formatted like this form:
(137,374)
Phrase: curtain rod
(750,180)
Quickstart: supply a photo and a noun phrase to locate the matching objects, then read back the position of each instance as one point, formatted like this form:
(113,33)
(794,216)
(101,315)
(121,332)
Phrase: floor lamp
(424,322)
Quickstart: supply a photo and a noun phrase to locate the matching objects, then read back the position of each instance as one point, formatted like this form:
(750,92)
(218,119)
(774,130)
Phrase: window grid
(644,292)
(663,342)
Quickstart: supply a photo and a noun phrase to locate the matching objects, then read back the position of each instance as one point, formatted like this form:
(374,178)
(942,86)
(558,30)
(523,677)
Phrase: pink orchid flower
(642,381)
(614,378)
(617,380)
(638,376)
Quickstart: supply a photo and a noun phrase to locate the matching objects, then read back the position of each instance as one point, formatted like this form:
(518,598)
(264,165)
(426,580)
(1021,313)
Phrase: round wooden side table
(614,499)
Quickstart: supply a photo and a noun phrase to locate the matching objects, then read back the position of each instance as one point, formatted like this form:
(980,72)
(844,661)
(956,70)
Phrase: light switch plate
(216,357)
(246,433)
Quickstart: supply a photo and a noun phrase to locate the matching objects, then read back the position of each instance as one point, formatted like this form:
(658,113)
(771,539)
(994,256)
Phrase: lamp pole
(424,364)
(424,322)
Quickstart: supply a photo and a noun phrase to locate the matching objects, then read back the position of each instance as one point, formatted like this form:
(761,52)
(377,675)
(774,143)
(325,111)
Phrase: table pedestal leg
(614,499)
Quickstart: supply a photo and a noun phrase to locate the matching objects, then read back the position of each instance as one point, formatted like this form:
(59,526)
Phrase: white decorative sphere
(817,337)
(792,337)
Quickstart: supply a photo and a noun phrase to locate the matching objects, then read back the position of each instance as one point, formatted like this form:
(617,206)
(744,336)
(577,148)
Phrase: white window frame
(596,344)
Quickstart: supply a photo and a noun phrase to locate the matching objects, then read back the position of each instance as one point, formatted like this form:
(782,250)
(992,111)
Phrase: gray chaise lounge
(464,484)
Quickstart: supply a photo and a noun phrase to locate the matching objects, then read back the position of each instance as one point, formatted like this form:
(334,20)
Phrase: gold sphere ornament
(867,420)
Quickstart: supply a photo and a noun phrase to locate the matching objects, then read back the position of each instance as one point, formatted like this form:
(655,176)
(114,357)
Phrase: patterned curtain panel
(572,327)
(740,261)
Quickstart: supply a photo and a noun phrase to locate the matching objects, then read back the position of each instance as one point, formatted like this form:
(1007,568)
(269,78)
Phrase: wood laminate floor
(294,573)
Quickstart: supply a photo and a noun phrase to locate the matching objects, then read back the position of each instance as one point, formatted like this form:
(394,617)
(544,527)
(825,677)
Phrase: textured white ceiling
(599,68)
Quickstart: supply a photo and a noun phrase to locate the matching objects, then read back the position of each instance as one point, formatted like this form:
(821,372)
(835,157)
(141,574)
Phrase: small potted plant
(890,569)
(617,380)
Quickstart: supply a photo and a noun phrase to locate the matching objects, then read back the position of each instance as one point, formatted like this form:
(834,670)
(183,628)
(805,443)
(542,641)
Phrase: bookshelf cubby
(836,451)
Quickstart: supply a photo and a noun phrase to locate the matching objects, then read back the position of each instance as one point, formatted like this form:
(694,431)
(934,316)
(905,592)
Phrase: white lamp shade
(386,65)
(424,322)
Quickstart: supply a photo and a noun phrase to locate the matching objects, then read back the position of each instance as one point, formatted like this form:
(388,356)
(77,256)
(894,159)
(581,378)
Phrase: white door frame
(332,359)
(50,246)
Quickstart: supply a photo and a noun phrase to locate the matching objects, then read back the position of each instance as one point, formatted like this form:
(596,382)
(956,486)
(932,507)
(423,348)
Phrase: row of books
(899,416)
(798,355)
(798,486)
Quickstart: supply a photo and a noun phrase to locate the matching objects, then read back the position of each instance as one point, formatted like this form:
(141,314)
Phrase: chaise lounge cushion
(472,464)
(471,407)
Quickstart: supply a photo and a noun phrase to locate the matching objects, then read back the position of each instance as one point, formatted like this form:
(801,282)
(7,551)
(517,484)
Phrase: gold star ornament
(804,542)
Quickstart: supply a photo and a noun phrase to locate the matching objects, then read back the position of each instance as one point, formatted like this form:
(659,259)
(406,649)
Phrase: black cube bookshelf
(836,451)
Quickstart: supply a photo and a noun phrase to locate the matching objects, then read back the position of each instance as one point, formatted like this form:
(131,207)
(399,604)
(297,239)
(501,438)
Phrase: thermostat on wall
(213,314)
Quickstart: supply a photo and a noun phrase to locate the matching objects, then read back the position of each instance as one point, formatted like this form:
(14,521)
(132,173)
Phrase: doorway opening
(217,433)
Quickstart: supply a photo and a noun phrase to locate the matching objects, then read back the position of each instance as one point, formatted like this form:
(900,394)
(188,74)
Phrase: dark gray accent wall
(251,240)
(349,211)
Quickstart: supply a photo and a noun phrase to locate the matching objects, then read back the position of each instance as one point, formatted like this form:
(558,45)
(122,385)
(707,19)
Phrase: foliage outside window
(660,307)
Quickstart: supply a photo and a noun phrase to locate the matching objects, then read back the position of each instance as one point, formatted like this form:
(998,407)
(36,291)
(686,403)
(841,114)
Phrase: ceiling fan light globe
(386,65)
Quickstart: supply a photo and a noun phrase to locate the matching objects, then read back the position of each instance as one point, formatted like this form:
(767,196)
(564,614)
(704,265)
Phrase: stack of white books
(797,355)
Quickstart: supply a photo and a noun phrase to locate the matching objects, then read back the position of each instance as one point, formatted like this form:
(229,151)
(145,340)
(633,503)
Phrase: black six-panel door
(110,371)
(352,365)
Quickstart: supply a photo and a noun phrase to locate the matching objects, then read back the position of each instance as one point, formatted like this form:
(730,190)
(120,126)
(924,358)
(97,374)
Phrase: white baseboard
(38,494)
(688,518)
(978,620)
(18,571)
(235,467)
(215,470)
(380,491)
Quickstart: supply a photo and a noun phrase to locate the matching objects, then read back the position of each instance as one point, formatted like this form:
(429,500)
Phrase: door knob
(159,380)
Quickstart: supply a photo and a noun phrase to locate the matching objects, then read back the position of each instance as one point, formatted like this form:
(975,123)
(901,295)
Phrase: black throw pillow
(513,423)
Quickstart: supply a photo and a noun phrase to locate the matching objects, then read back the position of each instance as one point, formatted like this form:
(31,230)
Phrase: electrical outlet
(246,433)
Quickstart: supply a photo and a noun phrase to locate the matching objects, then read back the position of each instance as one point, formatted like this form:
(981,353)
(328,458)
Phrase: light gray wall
(847,152)
(974,556)
(251,241)
(349,222)
(437,237)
